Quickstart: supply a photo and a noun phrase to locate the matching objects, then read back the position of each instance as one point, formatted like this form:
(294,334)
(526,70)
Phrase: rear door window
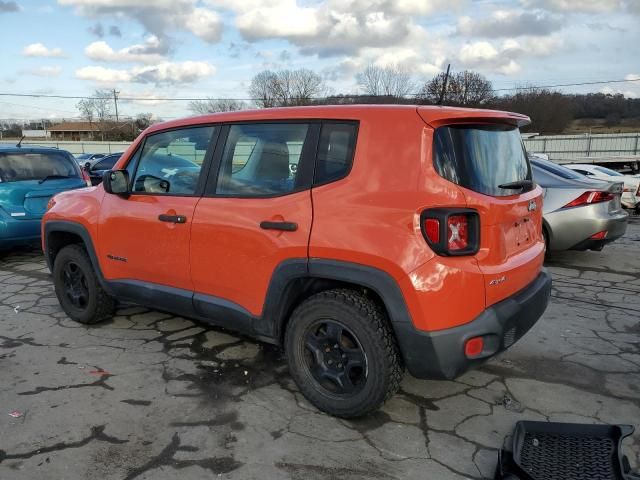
(481,157)
(15,167)
(335,151)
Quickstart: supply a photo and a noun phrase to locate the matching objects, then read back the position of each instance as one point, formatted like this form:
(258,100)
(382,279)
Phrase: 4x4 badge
(532,205)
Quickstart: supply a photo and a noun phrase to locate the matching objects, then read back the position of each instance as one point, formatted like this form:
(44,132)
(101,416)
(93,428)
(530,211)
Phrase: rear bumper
(440,354)
(18,232)
(569,228)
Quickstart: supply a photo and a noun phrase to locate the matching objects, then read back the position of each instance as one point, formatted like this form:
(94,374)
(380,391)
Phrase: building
(85,131)
(75,131)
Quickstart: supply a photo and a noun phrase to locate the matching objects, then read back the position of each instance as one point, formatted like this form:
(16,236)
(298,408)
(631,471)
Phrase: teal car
(29,177)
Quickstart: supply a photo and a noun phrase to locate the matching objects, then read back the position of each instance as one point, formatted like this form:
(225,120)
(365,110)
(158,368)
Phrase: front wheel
(342,353)
(77,287)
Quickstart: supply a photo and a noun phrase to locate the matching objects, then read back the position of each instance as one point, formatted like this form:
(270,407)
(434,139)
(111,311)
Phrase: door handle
(285,226)
(172,218)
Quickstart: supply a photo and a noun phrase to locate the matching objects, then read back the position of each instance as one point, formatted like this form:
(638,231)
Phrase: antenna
(20,142)
(444,85)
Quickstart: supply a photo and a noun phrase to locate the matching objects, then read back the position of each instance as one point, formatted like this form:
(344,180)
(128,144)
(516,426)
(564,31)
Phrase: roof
(74,127)
(433,115)
(11,148)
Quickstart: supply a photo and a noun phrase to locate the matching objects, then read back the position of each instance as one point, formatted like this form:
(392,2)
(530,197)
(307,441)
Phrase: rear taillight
(588,198)
(457,232)
(451,231)
(86,178)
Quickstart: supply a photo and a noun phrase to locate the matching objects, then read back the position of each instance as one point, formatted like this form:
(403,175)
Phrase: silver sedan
(578,213)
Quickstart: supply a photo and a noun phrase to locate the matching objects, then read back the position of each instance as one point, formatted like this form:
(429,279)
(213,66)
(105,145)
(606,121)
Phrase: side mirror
(116,182)
(87,166)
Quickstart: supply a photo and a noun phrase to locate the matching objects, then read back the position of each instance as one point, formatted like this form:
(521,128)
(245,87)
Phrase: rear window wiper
(517,185)
(50,177)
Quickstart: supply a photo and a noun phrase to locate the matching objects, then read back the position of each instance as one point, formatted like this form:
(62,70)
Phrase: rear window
(15,167)
(558,170)
(608,171)
(481,157)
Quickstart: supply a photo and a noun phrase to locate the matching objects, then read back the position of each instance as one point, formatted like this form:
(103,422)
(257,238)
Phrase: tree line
(550,111)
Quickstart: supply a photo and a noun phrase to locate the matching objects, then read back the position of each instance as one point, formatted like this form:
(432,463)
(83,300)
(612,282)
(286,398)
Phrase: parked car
(631,193)
(96,168)
(29,177)
(88,157)
(355,261)
(580,213)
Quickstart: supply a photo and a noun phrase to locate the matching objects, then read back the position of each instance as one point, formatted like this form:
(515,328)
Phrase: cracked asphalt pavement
(149,395)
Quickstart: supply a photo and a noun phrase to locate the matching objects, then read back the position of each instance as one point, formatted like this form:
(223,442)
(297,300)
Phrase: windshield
(17,166)
(556,169)
(106,163)
(608,171)
(481,157)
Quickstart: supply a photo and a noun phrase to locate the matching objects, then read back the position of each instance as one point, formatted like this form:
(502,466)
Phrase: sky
(157,49)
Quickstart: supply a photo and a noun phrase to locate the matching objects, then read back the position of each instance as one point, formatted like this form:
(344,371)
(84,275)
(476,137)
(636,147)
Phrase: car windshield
(556,169)
(106,163)
(481,157)
(18,166)
(608,171)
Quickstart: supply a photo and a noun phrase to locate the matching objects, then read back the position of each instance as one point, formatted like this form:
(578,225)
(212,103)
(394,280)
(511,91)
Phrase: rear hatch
(28,180)
(488,162)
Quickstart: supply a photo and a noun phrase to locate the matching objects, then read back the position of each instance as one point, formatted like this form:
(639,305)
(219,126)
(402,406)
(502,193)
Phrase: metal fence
(603,145)
(76,147)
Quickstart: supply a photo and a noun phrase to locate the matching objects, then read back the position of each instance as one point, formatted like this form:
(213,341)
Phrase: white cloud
(148,52)
(573,6)
(46,71)
(509,23)
(632,76)
(159,17)
(40,50)
(166,73)
(485,57)
(333,27)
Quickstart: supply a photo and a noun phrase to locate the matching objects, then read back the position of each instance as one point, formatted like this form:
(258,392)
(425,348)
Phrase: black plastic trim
(76,229)
(440,354)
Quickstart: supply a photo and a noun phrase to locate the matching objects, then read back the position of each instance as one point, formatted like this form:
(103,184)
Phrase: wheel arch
(295,281)
(60,233)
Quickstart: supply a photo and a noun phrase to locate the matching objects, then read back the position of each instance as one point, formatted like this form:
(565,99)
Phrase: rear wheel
(342,353)
(77,287)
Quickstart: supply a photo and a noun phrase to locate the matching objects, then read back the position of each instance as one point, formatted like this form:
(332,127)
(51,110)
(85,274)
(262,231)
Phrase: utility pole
(115,101)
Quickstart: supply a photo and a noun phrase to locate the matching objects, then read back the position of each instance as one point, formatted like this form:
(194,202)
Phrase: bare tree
(465,88)
(102,100)
(385,81)
(550,112)
(86,107)
(286,88)
(263,89)
(215,105)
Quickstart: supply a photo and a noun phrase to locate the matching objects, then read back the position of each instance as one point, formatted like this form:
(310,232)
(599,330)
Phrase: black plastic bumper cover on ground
(441,354)
(565,451)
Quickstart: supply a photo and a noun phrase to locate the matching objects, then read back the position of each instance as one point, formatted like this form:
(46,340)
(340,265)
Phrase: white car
(631,193)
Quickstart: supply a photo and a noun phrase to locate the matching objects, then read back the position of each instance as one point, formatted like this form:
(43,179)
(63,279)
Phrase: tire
(77,287)
(372,371)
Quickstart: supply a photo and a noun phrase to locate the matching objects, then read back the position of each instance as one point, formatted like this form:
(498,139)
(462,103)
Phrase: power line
(192,99)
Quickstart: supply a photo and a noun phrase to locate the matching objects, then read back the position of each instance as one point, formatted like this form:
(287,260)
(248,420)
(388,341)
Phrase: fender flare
(82,232)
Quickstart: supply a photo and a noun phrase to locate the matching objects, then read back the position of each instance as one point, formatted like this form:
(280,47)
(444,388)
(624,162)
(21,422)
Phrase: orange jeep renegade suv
(363,239)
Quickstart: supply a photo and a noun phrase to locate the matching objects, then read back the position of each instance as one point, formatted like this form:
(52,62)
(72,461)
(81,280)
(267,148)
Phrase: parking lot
(151,396)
